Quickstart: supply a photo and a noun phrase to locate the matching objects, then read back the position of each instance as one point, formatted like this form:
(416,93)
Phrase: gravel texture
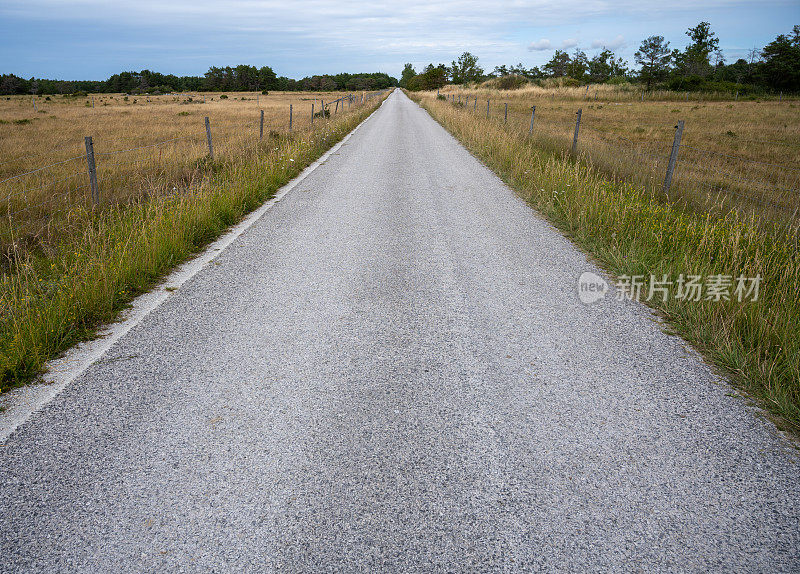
(391,371)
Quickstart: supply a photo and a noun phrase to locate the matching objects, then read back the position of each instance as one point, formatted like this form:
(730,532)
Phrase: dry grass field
(716,221)
(143,145)
(742,153)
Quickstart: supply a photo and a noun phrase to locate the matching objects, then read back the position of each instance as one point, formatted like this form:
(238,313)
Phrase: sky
(93,39)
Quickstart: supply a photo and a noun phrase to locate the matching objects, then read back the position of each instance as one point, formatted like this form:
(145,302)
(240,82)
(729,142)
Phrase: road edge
(19,404)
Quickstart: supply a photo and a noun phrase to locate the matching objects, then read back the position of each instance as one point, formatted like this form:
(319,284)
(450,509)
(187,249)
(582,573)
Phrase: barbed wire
(707,171)
(41,169)
(49,189)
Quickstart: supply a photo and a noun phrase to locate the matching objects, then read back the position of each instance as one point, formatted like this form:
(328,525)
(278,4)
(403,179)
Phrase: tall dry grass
(631,231)
(144,147)
(742,155)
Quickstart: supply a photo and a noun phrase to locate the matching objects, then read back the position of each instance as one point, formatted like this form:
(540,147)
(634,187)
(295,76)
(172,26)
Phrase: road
(391,371)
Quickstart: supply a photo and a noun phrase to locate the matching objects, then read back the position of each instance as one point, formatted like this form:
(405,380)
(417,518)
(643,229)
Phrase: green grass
(630,232)
(52,300)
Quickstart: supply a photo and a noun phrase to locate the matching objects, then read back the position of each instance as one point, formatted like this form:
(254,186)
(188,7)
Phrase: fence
(668,167)
(39,199)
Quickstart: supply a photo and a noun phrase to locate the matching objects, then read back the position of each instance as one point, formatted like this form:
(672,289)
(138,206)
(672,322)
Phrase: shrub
(689,83)
(223,97)
(508,82)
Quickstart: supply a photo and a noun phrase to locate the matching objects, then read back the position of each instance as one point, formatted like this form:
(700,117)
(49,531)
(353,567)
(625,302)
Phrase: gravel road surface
(391,371)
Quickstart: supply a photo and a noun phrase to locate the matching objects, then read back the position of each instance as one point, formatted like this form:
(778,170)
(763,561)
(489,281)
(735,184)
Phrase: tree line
(224,79)
(699,66)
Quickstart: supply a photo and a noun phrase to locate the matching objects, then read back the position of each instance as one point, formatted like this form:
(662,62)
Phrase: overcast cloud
(93,38)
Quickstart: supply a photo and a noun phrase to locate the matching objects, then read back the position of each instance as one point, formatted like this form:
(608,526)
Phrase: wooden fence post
(533,111)
(505,118)
(673,156)
(208,137)
(261,127)
(487,109)
(92,169)
(312,113)
(475,104)
(577,127)
(290,117)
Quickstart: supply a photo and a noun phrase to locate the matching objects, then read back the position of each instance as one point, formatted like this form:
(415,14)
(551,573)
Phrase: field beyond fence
(729,154)
(63,156)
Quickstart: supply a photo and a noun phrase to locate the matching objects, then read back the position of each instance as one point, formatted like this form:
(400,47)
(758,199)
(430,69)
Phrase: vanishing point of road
(391,371)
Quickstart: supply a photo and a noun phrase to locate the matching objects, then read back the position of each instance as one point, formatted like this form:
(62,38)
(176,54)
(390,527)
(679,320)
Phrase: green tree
(432,78)
(654,57)
(578,65)
(406,75)
(501,71)
(696,60)
(558,66)
(267,79)
(466,69)
(781,66)
(605,65)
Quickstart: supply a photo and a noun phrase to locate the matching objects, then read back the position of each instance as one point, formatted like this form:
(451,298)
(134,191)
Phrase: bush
(264,92)
(223,97)
(730,87)
(509,82)
(441,97)
(686,84)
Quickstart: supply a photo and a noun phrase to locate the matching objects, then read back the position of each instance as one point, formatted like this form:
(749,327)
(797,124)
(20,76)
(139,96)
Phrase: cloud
(92,38)
(545,44)
(614,44)
(539,45)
